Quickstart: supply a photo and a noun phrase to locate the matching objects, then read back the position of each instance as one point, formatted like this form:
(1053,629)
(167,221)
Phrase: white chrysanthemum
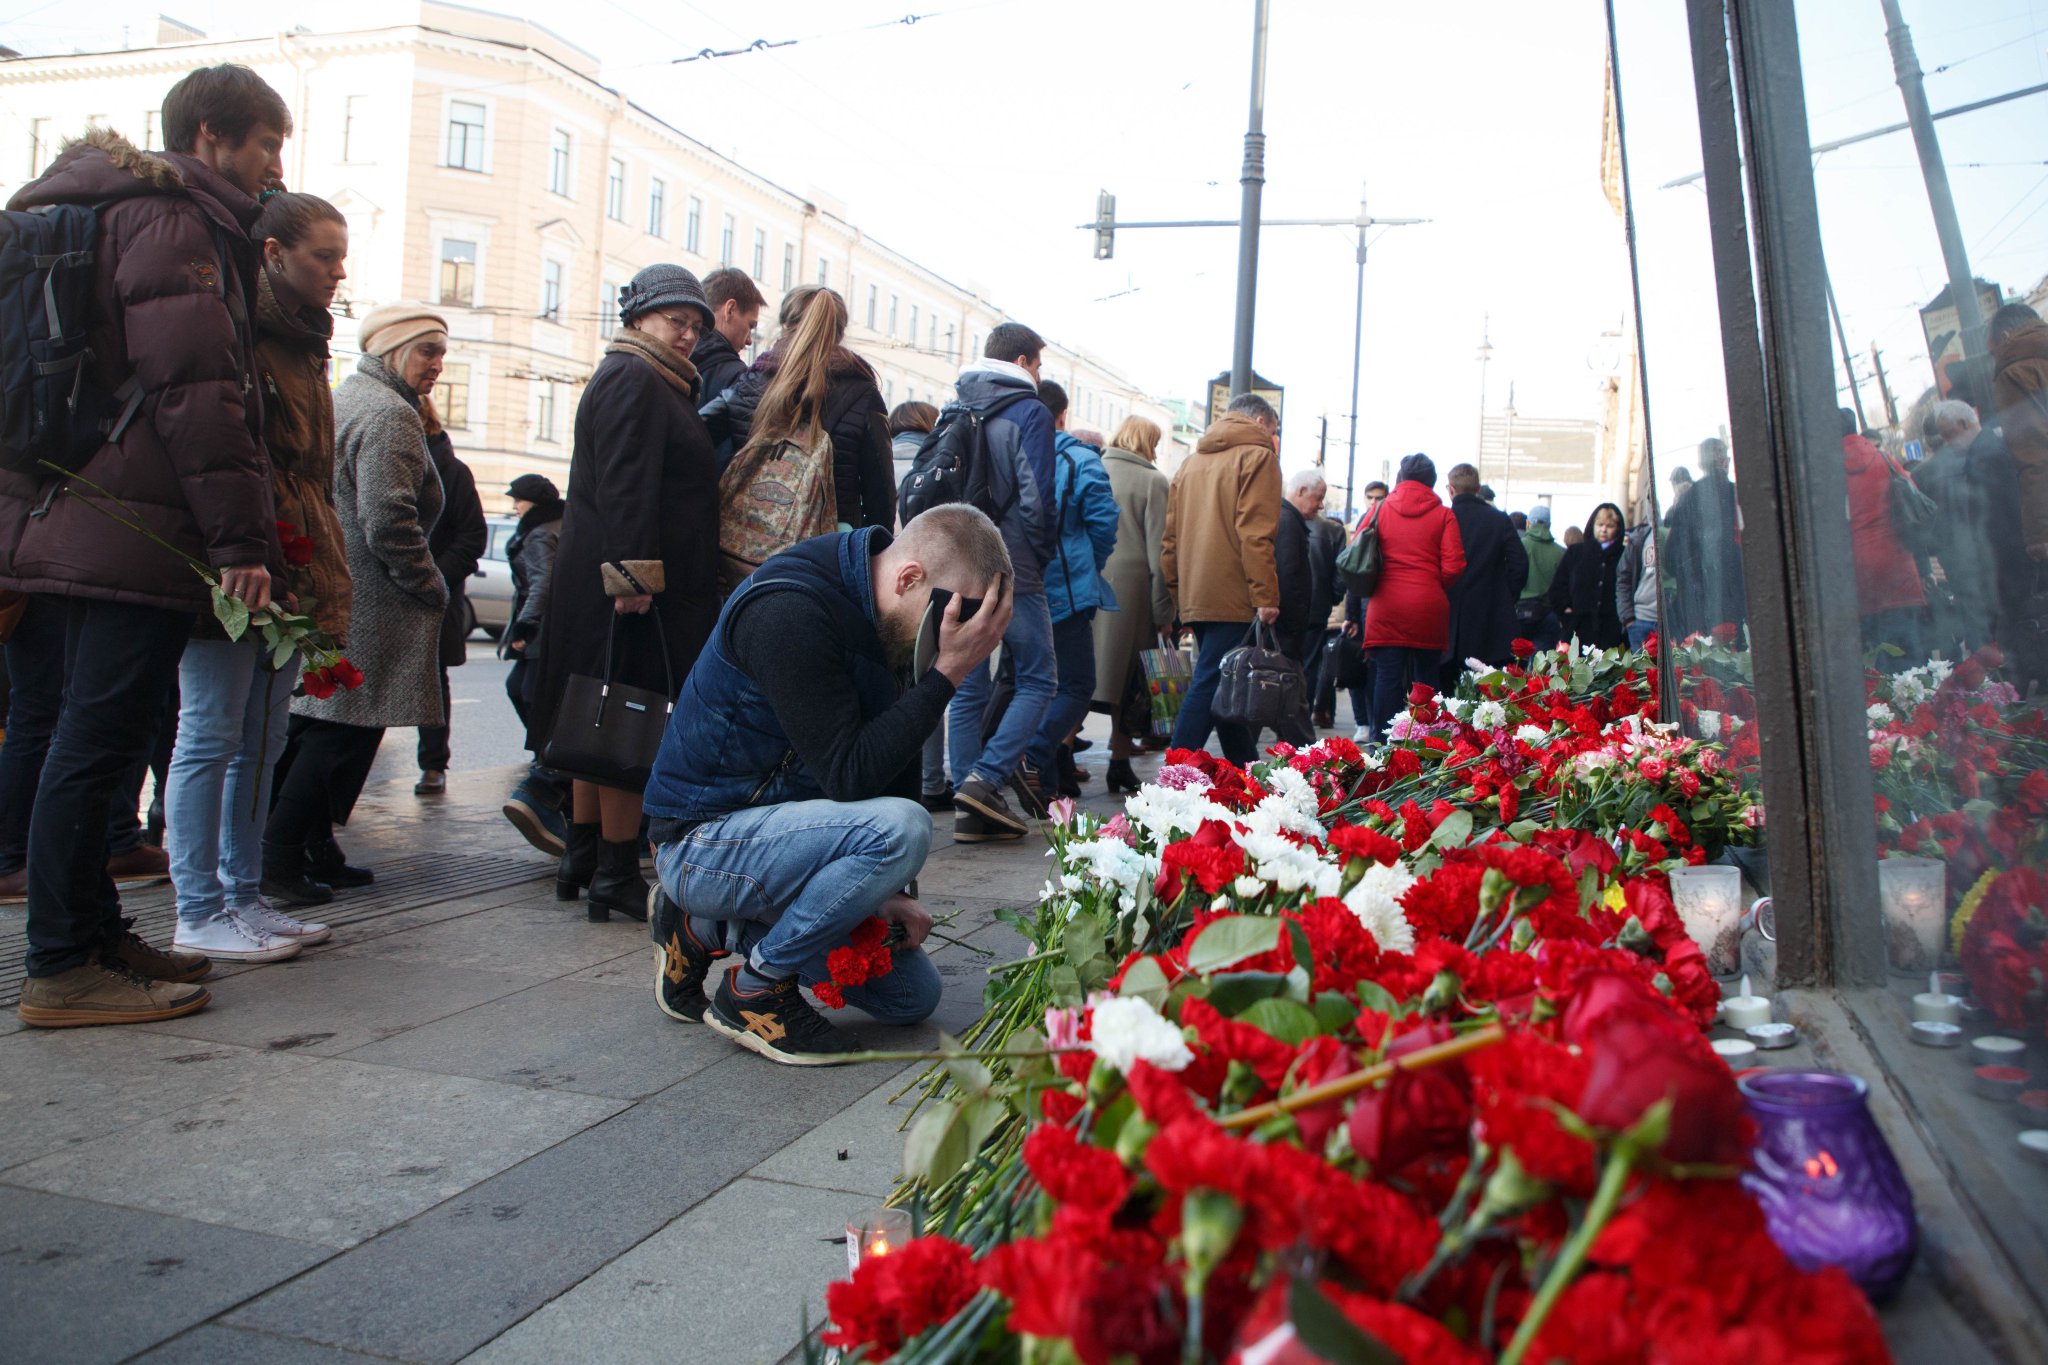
(1489,715)
(1880,715)
(1162,812)
(1376,900)
(1710,725)
(1531,734)
(1290,803)
(1285,864)
(1114,862)
(1247,887)
(1126,1030)
(1459,707)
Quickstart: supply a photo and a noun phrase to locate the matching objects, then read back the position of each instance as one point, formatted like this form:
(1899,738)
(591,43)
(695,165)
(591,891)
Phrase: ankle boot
(328,864)
(579,861)
(285,878)
(1120,778)
(618,884)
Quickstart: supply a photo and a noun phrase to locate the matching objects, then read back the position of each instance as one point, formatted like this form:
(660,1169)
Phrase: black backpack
(952,465)
(50,409)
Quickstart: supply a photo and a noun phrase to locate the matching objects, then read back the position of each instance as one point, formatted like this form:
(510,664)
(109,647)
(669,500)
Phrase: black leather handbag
(607,732)
(1259,686)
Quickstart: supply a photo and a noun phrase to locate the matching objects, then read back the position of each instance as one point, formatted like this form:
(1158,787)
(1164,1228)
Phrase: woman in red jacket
(1889,597)
(1407,621)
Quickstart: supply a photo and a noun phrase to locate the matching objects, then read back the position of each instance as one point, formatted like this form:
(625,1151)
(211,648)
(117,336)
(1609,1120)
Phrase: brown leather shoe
(433,782)
(139,864)
(14,887)
(130,952)
(99,993)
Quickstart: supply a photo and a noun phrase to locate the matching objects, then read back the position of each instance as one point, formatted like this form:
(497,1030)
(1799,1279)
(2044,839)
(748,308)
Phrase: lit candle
(1745,1010)
(1709,903)
(1735,1051)
(2034,1142)
(1994,1050)
(1935,1005)
(1914,897)
(1771,1037)
(1929,1034)
(1999,1082)
(877,1234)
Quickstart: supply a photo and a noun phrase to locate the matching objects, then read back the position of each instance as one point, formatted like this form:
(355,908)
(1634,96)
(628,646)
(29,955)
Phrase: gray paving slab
(675,1297)
(532,934)
(635,969)
(63,1087)
(561,1035)
(82,1281)
(323,1003)
(866,1133)
(453,1278)
(333,1152)
(216,1345)
(746,1084)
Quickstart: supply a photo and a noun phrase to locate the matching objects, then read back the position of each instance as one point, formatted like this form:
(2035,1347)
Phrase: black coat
(1701,554)
(1297,581)
(719,366)
(456,543)
(1325,542)
(531,551)
(863,468)
(1483,598)
(1582,594)
(643,486)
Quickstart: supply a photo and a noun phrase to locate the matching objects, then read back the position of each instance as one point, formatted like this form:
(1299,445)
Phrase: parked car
(490,587)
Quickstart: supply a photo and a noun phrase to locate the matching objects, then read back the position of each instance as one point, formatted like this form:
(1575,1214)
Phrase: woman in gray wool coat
(388,496)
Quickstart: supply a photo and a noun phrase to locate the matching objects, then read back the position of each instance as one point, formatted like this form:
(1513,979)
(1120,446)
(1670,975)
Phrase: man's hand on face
(915,919)
(965,645)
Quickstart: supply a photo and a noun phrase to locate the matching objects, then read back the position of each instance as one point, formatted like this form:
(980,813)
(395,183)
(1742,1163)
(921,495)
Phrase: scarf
(665,360)
(309,328)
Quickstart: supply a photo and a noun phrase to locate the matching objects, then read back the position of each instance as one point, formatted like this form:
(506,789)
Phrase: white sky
(976,139)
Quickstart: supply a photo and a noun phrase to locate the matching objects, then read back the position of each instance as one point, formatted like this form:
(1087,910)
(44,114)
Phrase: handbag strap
(611,640)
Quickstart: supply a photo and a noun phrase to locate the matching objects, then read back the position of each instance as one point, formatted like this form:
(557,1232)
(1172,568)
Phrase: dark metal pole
(1357,352)
(1848,366)
(1962,288)
(1253,179)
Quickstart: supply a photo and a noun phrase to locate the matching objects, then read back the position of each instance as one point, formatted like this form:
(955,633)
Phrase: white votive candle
(1745,1010)
(2034,1143)
(1996,1050)
(1770,1037)
(1929,1034)
(1935,1005)
(1735,1051)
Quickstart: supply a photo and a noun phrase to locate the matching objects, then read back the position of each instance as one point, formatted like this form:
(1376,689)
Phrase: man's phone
(928,631)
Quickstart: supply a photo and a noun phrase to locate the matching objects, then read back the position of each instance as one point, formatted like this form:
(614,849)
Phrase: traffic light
(1105,225)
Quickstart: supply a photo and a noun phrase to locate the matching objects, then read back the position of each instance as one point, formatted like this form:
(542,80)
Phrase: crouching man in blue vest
(784,800)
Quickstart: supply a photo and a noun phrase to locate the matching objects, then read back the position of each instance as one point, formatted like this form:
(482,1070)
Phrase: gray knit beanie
(662,286)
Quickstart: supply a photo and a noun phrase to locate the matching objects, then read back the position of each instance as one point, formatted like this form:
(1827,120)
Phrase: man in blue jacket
(1003,387)
(783,801)
(1075,590)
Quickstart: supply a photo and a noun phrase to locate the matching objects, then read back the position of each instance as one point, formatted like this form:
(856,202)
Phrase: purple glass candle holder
(1830,1189)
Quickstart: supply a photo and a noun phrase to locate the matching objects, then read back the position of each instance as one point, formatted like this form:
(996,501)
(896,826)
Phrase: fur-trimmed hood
(103,166)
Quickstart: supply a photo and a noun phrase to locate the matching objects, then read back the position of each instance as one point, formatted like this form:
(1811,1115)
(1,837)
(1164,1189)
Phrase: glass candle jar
(1709,903)
(1913,895)
(1830,1189)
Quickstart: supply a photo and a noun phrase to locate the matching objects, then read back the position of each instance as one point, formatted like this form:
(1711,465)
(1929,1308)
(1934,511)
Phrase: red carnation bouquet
(865,957)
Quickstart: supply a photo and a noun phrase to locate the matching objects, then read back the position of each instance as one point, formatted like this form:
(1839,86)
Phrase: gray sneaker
(996,820)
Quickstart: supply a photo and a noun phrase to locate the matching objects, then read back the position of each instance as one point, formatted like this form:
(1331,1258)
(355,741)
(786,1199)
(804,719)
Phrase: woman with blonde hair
(808,382)
(1145,605)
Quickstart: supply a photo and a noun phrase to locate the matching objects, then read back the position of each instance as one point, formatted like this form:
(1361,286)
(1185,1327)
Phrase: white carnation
(1247,887)
(1489,715)
(1290,803)
(1459,707)
(1531,734)
(1114,862)
(1880,715)
(1376,900)
(1126,1030)
(1162,812)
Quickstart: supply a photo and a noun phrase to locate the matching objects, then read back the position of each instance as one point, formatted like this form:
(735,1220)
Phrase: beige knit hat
(399,324)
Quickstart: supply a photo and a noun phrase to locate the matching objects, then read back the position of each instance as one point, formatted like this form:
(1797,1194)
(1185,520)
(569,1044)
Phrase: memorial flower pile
(1349,1057)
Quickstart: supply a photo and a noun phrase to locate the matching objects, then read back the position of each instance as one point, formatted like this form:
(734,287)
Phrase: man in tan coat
(1221,516)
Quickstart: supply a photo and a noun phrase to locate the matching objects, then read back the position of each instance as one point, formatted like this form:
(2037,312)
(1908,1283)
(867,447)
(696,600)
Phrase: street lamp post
(1253,178)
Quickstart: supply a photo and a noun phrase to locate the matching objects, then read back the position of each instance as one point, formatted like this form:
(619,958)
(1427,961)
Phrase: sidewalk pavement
(460,1130)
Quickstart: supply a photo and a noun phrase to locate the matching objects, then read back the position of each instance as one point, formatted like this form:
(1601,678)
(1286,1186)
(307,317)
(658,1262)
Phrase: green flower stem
(1613,1179)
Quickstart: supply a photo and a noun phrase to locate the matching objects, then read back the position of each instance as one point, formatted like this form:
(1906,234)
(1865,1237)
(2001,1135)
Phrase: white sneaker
(227,937)
(1361,735)
(261,914)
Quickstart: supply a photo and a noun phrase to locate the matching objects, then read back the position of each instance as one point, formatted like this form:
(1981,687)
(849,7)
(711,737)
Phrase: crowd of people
(792,797)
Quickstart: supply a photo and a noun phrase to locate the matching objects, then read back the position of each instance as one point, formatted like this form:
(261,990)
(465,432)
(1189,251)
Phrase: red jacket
(176,278)
(1421,554)
(1886,575)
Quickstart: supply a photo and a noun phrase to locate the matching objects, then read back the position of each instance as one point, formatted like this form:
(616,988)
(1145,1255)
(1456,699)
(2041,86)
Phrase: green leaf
(1232,940)
(1333,1012)
(1373,996)
(980,1118)
(1232,992)
(1304,954)
(1283,1019)
(1146,981)
(1065,985)
(1454,832)
(281,653)
(936,1145)
(1324,1330)
(232,613)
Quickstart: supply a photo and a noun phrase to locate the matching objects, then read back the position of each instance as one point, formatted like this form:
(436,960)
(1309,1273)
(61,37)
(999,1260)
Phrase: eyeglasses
(682,322)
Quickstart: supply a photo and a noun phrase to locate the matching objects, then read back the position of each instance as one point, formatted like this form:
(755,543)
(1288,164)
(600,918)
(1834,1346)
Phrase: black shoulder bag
(607,732)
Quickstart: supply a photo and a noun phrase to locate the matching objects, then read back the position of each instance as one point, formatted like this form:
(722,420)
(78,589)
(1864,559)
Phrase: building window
(38,144)
(953,344)
(465,135)
(351,110)
(150,124)
(932,342)
(725,237)
(892,315)
(760,252)
(657,207)
(558,162)
(608,310)
(874,304)
(551,290)
(788,266)
(975,354)
(544,412)
(889,392)
(615,192)
(451,395)
(824,273)
(458,273)
(693,223)
(913,326)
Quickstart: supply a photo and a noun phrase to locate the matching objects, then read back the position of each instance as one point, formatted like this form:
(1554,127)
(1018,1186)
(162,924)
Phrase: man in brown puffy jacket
(1222,514)
(176,275)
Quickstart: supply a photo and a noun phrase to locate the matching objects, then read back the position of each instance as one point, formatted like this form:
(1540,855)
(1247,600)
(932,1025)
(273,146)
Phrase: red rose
(319,683)
(1416,1114)
(1419,693)
(1521,648)
(346,674)
(1641,1052)
(893,1297)
(1128,1313)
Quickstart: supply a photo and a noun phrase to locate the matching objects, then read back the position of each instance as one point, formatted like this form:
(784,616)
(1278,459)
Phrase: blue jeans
(1395,668)
(934,765)
(795,879)
(1639,631)
(1073,647)
(230,736)
(1028,642)
(1213,640)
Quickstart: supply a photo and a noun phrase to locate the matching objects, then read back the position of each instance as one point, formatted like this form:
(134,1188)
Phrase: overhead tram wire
(765,44)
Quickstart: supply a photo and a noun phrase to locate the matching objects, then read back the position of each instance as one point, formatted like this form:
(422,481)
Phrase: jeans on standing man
(1395,669)
(1029,642)
(231,734)
(1073,647)
(1213,640)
